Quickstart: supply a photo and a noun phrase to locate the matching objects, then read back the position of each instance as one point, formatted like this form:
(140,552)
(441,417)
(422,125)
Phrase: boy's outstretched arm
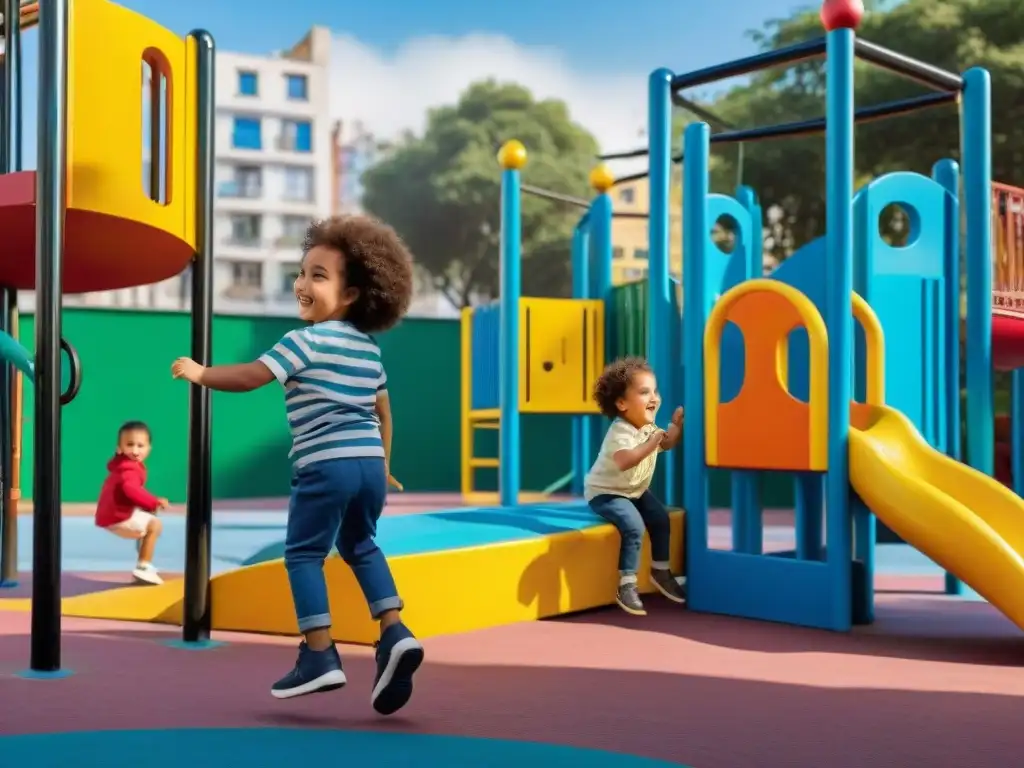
(674,433)
(244,377)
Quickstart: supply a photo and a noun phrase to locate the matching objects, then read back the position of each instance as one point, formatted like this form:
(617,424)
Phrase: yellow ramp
(967,522)
(445,591)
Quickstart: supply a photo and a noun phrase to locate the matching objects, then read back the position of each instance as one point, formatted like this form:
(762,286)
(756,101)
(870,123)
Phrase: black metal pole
(909,67)
(791,54)
(50,205)
(10,160)
(196,616)
(810,127)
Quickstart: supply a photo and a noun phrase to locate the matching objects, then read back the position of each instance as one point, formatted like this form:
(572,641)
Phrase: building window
(298,87)
(618,252)
(296,136)
(247,183)
(293,230)
(289,273)
(246,229)
(246,281)
(247,133)
(627,195)
(248,83)
(640,253)
(298,184)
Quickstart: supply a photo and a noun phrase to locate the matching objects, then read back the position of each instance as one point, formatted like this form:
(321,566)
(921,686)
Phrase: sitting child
(617,485)
(125,507)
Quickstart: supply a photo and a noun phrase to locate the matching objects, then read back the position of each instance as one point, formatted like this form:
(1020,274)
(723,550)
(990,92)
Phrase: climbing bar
(559,197)
(914,69)
(817,125)
(807,127)
(577,202)
(792,54)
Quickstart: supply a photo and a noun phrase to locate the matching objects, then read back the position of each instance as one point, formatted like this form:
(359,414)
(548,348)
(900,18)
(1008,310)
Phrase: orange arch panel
(764,426)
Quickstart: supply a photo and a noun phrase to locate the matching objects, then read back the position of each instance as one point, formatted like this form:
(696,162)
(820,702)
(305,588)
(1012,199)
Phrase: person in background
(125,508)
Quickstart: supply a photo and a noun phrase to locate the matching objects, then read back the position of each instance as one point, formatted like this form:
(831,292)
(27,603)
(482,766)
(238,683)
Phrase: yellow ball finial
(512,155)
(601,179)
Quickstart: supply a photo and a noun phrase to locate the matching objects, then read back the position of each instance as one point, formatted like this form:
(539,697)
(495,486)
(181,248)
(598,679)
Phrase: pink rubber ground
(936,682)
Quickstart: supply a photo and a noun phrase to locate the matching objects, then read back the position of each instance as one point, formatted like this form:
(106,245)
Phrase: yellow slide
(965,521)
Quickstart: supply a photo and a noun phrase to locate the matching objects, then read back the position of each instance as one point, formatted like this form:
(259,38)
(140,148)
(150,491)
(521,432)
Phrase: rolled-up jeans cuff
(387,604)
(319,621)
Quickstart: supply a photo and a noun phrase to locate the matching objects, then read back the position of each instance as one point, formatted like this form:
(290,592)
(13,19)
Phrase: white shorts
(135,527)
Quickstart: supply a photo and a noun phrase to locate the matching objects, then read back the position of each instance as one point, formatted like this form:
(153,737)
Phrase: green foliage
(953,34)
(441,192)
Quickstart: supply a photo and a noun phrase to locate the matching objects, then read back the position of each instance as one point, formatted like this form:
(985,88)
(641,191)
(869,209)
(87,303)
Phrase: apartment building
(630,236)
(273,174)
(273,171)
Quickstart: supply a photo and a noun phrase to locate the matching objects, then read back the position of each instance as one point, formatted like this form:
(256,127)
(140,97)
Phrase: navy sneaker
(399,655)
(314,672)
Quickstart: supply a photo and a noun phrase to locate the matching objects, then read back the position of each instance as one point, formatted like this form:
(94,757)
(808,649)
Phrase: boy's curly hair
(376,263)
(615,380)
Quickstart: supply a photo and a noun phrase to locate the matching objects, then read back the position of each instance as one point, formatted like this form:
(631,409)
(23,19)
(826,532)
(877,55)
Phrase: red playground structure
(1007,305)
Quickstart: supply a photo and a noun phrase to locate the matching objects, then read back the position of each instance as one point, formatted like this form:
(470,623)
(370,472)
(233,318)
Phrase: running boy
(356,279)
(125,508)
(617,486)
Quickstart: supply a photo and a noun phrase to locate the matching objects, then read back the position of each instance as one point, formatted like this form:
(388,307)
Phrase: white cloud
(390,93)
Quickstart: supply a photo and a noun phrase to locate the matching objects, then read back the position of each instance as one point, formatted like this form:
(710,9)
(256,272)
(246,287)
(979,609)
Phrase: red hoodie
(123,491)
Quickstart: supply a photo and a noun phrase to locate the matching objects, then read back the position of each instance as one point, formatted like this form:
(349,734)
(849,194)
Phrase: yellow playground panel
(527,579)
(561,354)
(121,230)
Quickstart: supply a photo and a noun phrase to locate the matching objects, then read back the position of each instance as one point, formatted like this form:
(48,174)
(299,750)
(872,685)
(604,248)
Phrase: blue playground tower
(769,366)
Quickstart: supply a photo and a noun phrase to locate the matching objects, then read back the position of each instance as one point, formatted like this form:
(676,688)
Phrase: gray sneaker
(629,599)
(666,583)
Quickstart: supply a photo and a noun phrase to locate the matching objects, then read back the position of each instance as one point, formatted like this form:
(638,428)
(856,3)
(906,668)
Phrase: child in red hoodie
(126,508)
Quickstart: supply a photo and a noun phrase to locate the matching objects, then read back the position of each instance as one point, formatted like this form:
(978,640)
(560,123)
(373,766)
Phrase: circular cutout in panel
(725,232)
(899,225)
(258,747)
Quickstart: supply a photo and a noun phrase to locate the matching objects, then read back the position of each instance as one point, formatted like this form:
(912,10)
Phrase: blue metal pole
(976,156)
(512,158)
(839,108)
(696,148)
(659,297)
(747,520)
(580,290)
(947,173)
(600,224)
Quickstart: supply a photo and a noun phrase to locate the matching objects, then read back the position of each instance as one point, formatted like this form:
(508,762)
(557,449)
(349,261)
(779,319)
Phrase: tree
(953,34)
(441,190)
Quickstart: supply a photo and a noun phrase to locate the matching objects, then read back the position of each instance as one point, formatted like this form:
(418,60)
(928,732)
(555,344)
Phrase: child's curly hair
(376,263)
(614,381)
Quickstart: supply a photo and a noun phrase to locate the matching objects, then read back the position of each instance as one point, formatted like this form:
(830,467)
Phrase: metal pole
(50,201)
(512,158)
(196,616)
(9,104)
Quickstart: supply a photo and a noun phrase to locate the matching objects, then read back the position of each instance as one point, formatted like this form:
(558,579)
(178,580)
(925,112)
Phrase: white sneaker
(147,574)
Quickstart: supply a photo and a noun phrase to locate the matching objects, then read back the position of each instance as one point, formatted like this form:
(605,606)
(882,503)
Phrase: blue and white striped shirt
(332,375)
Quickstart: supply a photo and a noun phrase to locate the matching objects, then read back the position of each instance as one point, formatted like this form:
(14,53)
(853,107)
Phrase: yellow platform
(457,571)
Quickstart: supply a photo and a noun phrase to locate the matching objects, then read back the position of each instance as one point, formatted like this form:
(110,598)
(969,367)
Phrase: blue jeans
(337,502)
(631,517)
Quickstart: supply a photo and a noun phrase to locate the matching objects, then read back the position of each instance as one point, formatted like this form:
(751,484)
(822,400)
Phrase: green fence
(126,358)
(628,331)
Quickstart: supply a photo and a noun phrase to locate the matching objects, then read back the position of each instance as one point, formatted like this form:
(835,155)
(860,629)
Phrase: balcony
(241,190)
(242,241)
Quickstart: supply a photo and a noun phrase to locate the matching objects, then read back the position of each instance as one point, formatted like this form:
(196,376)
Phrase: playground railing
(1007,250)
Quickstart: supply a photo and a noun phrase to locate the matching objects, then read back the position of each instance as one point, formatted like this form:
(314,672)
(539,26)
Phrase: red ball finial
(841,14)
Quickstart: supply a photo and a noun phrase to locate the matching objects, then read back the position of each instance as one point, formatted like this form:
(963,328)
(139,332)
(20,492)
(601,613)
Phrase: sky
(392,61)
